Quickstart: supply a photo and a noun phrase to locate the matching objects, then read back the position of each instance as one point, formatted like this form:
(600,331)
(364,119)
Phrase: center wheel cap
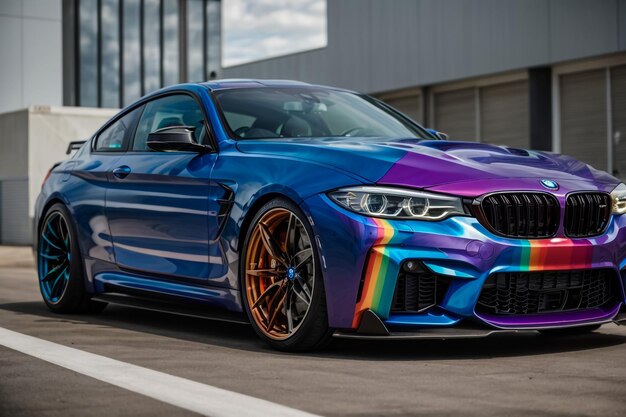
(291,274)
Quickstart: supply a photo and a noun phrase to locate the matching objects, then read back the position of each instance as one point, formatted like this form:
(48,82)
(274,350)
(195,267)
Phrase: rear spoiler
(74,146)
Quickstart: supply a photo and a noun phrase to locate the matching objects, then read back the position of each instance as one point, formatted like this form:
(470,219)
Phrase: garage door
(455,113)
(410,106)
(618,97)
(584,116)
(504,114)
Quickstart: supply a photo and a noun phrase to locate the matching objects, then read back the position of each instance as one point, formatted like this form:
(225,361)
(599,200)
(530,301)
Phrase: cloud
(260,29)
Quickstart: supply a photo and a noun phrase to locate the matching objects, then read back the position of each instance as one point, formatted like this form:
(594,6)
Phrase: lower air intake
(419,290)
(521,293)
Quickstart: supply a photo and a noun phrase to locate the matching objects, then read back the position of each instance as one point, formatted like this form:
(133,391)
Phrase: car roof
(227,84)
(238,83)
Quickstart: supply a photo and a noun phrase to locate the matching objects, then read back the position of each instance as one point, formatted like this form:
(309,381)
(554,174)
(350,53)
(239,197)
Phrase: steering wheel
(350,131)
(240,131)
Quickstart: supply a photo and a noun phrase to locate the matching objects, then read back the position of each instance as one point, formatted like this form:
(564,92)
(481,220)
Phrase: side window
(115,138)
(177,110)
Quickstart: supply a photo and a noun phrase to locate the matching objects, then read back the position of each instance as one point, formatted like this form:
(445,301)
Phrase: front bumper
(361,258)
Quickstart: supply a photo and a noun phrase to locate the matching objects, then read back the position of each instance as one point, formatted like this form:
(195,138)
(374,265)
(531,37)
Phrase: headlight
(398,203)
(619,199)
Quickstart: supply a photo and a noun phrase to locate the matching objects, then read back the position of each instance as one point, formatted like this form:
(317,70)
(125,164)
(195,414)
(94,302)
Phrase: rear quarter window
(115,138)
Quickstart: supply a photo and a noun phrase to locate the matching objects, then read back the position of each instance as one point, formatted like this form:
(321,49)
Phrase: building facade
(543,74)
(63,59)
(103,53)
(115,51)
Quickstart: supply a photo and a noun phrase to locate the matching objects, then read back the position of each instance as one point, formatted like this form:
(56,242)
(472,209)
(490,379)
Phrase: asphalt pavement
(525,375)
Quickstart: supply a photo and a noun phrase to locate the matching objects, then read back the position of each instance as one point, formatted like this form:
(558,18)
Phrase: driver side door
(158,202)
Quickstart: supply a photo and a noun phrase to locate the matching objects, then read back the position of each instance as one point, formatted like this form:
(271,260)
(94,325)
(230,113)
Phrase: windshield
(289,112)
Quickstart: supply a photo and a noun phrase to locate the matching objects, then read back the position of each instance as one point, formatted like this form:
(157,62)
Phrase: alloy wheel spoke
(64,232)
(263,273)
(53,272)
(44,237)
(270,323)
(303,256)
(305,294)
(267,292)
(288,309)
(290,239)
(51,230)
(57,285)
(272,247)
(52,257)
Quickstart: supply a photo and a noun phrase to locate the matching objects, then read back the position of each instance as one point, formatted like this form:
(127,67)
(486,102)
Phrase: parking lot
(497,376)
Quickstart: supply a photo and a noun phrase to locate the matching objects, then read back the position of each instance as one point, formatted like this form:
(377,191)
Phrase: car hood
(462,168)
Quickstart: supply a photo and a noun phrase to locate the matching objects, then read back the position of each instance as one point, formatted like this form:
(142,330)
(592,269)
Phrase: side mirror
(175,138)
(438,135)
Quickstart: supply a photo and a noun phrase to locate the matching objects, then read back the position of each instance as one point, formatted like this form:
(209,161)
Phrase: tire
(571,331)
(275,289)
(60,265)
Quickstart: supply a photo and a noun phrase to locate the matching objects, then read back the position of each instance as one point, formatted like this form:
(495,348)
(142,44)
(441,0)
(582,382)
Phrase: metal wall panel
(583,28)
(394,59)
(584,116)
(459,39)
(411,106)
(11,79)
(504,114)
(15,227)
(376,45)
(455,113)
(622,24)
(618,107)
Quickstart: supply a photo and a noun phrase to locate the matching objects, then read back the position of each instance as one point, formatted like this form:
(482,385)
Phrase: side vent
(226,204)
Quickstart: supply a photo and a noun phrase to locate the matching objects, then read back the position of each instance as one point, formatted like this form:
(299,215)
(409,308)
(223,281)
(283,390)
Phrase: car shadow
(242,337)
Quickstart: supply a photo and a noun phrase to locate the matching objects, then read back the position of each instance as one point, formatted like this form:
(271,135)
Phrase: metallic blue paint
(174,224)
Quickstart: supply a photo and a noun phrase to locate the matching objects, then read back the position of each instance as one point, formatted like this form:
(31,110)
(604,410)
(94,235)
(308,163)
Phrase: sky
(260,29)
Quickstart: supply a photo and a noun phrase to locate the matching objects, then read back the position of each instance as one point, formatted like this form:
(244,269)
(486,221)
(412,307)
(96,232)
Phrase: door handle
(121,172)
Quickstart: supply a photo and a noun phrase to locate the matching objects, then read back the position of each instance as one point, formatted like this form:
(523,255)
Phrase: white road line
(180,392)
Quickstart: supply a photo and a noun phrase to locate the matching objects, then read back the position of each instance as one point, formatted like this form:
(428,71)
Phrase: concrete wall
(14,178)
(50,130)
(31,141)
(31,53)
(381,45)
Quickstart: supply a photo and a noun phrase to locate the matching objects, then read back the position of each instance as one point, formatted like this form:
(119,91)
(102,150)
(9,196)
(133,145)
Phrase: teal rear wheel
(60,265)
(55,256)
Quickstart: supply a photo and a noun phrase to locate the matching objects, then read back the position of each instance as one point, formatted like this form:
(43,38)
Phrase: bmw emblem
(550,185)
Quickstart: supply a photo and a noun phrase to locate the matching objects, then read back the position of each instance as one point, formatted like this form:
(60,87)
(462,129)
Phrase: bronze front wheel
(282,292)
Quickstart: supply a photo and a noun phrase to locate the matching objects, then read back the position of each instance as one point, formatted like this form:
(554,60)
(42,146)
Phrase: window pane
(110,81)
(213,35)
(170,42)
(151,47)
(88,14)
(256,113)
(132,80)
(179,110)
(195,33)
(115,137)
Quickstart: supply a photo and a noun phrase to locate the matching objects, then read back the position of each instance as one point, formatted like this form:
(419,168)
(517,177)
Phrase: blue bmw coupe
(312,211)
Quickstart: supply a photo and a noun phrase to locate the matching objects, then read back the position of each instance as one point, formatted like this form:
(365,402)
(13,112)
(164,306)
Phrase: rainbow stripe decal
(376,289)
(551,254)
